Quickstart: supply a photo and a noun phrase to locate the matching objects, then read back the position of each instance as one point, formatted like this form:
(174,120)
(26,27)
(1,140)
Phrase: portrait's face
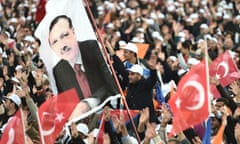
(63,41)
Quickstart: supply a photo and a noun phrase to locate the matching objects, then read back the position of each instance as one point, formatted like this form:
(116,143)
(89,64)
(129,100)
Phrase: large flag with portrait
(90,57)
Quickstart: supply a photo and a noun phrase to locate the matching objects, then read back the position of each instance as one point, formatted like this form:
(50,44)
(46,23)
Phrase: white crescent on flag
(11,135)
(201,92)
(52,129)
(226,69)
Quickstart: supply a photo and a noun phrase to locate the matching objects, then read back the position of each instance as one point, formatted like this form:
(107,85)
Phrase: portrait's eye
(66,34)
(54,42)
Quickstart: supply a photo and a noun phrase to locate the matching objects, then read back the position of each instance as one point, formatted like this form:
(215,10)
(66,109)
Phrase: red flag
(224,68)
(40,10)
(190,104)
(14,131)
(54,113)
(214,91)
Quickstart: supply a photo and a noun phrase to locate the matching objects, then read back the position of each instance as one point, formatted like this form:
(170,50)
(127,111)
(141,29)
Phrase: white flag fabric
(82,26)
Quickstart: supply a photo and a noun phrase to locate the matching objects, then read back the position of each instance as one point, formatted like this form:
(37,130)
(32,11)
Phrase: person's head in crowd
(130,52)
(135,74)
(83,130)
(192,62)
(140,32)
(12,103)
(228,43)
(19,69)
(165,29)
(226,18)
(133,4)
(220,103)
(186,47)
(138,22)
(110,28)
(174,141)
(62,38)
(216,122)
(48,93)
(194,17)
(173,62)
(204,28)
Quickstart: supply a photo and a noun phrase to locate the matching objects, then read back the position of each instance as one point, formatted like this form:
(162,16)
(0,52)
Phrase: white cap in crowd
(204,26)
(83,128)
(18,67)
(136,69)
(14,98)
(193,61)
(131,47)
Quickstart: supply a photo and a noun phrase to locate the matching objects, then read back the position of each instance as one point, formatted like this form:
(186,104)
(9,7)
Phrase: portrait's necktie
(82,81)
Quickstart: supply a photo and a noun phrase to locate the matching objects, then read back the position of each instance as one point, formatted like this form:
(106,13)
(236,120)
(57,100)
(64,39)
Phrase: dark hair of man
(186,44)
(56,19)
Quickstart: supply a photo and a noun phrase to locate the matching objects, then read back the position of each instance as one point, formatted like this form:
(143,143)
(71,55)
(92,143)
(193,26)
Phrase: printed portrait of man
(73,56)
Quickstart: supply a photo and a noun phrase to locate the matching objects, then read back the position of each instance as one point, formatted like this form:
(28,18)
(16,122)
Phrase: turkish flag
(190,104)
(14,131)
(54,113)
(224,68)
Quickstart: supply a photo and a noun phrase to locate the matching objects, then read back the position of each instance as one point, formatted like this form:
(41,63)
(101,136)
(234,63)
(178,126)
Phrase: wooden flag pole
(111,67)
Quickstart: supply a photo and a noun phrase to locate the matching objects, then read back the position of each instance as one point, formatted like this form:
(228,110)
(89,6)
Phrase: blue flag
(159,95)
(207,135)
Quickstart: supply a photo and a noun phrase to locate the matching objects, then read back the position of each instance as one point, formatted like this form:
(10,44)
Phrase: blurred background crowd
(177,33)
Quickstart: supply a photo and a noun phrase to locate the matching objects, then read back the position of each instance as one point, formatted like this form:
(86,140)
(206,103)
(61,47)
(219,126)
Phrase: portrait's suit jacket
(96,70)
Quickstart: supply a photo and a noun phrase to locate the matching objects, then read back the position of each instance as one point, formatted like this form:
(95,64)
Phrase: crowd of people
(177,33)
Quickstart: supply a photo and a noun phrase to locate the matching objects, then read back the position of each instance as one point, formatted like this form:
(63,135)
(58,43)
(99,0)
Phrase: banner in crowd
(190,104)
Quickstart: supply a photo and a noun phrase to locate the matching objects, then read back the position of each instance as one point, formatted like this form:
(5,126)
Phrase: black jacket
(139,95)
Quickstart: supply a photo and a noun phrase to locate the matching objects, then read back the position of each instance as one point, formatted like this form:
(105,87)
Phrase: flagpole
(111,67)
(24,134)
(207,75)
(40,129)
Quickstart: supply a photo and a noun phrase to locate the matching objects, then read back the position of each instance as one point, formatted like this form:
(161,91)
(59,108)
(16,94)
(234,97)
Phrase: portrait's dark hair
(56,19)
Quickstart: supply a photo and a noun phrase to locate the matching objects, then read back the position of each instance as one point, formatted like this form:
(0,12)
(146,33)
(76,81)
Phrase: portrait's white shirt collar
(79,61)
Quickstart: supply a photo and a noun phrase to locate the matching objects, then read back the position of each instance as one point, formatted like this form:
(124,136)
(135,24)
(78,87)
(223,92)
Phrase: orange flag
(219,137)
(142,49)
(107,17)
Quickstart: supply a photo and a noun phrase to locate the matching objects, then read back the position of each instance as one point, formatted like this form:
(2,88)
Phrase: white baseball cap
(204,26)
(136,69)
(131,47)
(82,127)
(18,67)
(14,98)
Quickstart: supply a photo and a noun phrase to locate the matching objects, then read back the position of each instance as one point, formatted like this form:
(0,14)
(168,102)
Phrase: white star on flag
(59,117)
